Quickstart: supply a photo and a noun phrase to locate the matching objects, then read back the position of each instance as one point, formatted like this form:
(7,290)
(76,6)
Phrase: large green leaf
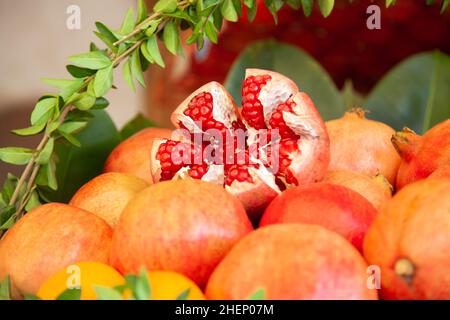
(293,63)
(78,165)
(416,93)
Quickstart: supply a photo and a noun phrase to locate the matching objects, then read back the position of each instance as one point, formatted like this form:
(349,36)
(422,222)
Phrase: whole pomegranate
(183,226)
(334,207)
(441,173)
(292,261)
(277,140)
(362,145)
(422,155)
(376,188)
(410,241)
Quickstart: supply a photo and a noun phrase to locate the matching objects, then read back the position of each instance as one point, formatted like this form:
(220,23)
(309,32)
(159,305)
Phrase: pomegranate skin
(362,145)
(441,173)
(334,207)
(410,240)
(186,226)
(292,261)
(422,155)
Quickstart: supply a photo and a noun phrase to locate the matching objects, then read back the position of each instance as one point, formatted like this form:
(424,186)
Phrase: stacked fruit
(185,206)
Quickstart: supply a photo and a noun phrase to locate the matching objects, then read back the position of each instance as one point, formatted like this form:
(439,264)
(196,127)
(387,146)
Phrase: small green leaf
(103,81)
(184,295)
(71,139)
(151,28)
(228,11)
(51,174)
(16,156)
(165,6)
(128,24)
(142,289)
(142,11)
(43,111)
(30,131)
(295,4)
(258,295)
(7,217)
(326,6)
(128,75)
(92,60)
(104,30)
(211,31)
(78,72)
(136,67)
(70,294)
(46,152)
(67,87)
(146,54)
(153,50)
(33,202)
(100,103)
(72,126)
(5,289)
(106,41)
(307,7)
(170,37)
(8,224)
(389,3)
(104,293)
(84,101)
(444,5)
(238,6)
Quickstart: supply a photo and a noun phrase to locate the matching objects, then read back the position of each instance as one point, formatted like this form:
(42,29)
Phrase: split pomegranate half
(278,140)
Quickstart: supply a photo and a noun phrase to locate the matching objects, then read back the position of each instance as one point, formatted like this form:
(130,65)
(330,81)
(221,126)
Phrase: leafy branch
(59,117)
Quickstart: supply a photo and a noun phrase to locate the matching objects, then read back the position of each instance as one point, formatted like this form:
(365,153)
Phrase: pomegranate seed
(277,120)
(238,173)
(200,108)
(252,110)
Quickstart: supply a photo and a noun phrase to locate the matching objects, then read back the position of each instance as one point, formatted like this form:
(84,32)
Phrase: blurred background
(36,44)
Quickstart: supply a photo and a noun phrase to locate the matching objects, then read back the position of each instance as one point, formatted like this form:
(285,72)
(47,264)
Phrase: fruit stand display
(273,185)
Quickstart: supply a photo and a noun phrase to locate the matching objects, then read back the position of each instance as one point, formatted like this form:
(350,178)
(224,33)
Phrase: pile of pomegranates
(263,197)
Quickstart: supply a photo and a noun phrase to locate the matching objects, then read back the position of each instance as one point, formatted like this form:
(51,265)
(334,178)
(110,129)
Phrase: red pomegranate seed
(252,110)
(238,173)
(200,108)
(277,120)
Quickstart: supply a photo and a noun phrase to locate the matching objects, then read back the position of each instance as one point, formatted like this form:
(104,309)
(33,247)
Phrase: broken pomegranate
(276,141)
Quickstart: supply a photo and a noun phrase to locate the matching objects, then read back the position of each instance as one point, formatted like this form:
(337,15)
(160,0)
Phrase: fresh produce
(86,276)
(441,173)
(240,153)
(107,195)
(410,241)
(48,239)
(376,188)
(133,155)
(362,145)
(182,226)
(292,261)
(334,207)
(422,155)
(167,285)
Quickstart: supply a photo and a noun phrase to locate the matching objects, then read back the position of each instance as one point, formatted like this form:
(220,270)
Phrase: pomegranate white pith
(285,141)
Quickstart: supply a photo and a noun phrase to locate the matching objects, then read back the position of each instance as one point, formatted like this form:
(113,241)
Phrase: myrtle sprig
(58,117)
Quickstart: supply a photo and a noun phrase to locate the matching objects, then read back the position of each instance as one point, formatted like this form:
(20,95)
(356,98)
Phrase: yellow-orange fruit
(107,195)
(48,239)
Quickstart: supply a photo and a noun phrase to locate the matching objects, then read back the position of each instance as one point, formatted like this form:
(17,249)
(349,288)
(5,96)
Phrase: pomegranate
(421,156)
(441,173)
(376,188)
(412,266)
(183,226)
(277,140)
(293,261)
(362,145)
(334,207)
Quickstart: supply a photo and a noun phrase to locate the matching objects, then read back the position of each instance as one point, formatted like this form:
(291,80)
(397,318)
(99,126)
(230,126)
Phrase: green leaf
(84,101)
(142,11)
(414,93)
(103,81)
(258,295)
(294,63)
(151,28)
(17,156)
(170,37)
(136,67)
(8,187)
(100,103)
(251,11)
(76,166)
(389,3)
(307,7)
(7,217)
(106,41)
(78,72)
(71,139)
(106,32)
(33,202)
(128,75)
(52,181)
(128,24)
(444,5)
(70,294)
(67,87)
(135,125)
(228,11)
(46,152)
(30,131)
(211,31)
(94,60)
(142,289)
(184,295)
(153,50)
(295,4)
(165,6)
(5,289)
(274,6)
(43,111)
(146,54)
(326,6)
(104,293)
(72,126)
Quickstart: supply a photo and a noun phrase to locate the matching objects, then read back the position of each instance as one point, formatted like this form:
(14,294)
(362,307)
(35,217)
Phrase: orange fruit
(168,285)
(86,275)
